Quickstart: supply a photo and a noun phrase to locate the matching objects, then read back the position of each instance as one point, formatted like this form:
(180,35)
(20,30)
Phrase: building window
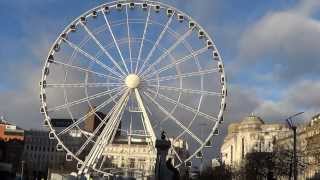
(242,148)
(131,163)
(231,154)
(274,140)
(260,146)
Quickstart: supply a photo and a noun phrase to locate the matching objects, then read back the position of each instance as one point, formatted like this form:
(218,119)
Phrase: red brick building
(10,132)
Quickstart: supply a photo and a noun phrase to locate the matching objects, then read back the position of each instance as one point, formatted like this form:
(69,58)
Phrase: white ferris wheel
(147,67)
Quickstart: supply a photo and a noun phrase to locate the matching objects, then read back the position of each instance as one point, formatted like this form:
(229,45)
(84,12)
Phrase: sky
(270,50)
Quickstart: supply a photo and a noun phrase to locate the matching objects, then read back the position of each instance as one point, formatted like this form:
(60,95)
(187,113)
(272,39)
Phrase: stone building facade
(137,158)
(308,147)
(313,146)
(251,134)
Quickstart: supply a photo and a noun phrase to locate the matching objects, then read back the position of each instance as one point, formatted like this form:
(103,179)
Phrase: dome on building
(252,120)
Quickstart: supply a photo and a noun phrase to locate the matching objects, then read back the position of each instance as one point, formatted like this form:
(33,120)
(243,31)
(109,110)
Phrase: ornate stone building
(308,147)
(137,158)
(251,134)
(313,145)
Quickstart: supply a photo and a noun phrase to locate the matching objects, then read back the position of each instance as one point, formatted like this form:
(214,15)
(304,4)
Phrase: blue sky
(270,51)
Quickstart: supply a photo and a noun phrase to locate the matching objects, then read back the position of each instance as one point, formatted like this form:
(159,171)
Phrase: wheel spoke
(129,64)
(146,119)
(195,111)
(105,51)
(156,44)
(179,40)
(175,120)
(114,39)
(199,73)
(120,116)
(86,70)
(81,85)
(191,91)
(181,60)
(142,41)
(70,104)
(104,137)
(129,43)
(95,132)
(77,48)
(175,153)
(83,118)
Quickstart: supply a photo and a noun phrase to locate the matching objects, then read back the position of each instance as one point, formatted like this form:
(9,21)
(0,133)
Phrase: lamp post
(294,130)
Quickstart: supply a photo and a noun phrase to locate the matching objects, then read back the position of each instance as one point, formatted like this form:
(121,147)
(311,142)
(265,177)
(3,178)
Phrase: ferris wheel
(147,67)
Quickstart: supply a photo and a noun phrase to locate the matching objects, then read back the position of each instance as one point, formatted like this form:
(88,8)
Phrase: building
(313,146)
(138,157)
(11,158)
(251,134)
(11,147)
(40,154)
(10,131)
(93,121)
(308,146)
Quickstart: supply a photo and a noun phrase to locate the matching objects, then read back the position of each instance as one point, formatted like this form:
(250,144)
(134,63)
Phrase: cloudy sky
(270,50)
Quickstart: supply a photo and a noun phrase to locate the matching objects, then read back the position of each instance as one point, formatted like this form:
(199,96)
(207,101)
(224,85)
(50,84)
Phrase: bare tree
(221,172)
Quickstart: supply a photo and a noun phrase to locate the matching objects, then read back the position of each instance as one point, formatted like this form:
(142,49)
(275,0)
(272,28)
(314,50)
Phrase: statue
(164,170)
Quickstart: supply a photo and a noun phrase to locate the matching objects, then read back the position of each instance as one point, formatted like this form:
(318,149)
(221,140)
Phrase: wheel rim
(158,75)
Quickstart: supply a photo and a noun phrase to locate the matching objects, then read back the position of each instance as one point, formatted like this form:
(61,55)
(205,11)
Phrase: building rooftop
(252,120)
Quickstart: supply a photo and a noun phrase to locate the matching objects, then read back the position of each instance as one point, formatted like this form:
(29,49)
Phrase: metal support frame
(146,119)
(105,136)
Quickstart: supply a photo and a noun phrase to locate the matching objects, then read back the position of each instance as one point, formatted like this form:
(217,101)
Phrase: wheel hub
(132,81)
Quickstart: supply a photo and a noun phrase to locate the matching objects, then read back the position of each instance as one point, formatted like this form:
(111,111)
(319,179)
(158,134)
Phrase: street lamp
(294,129)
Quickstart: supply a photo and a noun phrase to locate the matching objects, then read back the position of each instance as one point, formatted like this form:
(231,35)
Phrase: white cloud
(285,32)
(290,38)
(302,96)
(241,102)
(308,7)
